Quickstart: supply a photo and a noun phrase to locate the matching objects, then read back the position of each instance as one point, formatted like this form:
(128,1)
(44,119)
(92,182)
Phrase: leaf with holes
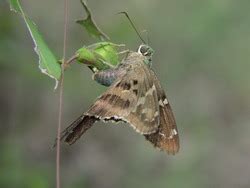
(89,24)
(48,63)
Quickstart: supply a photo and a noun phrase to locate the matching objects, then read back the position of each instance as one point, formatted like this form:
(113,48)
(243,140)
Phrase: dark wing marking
(76,129)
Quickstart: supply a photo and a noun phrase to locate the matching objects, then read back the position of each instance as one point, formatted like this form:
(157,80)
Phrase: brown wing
(132,98)
(76,129)
(166,138)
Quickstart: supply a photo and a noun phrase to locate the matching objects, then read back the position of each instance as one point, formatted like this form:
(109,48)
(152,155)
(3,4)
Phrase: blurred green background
(202,54)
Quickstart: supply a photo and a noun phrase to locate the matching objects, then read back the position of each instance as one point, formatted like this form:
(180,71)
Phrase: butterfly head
(147,52)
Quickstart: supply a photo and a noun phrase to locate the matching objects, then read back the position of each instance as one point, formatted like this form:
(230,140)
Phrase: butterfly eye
(147,52)
(143,49)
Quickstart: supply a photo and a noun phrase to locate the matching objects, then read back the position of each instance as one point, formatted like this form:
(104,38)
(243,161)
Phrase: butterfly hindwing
(166,137)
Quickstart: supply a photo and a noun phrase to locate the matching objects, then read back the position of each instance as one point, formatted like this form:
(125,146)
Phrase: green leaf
(48,63)
(89,24)
(100,56)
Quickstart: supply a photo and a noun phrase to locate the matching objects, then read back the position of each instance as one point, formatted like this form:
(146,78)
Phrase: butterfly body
(134,96)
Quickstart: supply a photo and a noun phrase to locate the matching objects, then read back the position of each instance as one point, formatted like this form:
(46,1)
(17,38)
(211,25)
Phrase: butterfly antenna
(126,14)
(148,39)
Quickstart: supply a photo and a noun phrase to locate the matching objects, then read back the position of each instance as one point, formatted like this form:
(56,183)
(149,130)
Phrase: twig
(61,96)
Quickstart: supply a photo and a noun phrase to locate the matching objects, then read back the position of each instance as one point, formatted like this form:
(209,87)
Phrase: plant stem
(61,96)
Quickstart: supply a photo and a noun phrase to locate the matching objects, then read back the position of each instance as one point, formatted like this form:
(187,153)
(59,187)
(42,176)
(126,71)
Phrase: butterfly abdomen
(107,77)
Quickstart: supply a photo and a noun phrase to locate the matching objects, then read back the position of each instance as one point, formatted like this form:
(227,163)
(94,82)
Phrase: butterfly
(134,96)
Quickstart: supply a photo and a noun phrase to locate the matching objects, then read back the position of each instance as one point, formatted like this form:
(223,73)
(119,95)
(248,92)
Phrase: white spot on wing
(172,133)
(156,114)
(165,101)
(151,90)
(161,103)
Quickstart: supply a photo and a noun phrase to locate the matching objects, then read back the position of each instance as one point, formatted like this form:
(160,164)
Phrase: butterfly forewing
(77,128)
(132,98)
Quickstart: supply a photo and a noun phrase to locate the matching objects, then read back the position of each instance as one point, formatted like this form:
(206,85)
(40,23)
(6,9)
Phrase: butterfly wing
(132,99)
(76,129)
(166,137)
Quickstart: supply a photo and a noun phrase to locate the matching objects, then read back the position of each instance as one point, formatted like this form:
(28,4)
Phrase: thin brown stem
(70,60)
(61,96)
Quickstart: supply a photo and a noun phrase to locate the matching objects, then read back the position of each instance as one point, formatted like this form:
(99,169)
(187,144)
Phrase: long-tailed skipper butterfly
(134,96)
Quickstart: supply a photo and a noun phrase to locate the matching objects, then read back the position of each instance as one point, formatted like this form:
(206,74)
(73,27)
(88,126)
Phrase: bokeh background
(202,54)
